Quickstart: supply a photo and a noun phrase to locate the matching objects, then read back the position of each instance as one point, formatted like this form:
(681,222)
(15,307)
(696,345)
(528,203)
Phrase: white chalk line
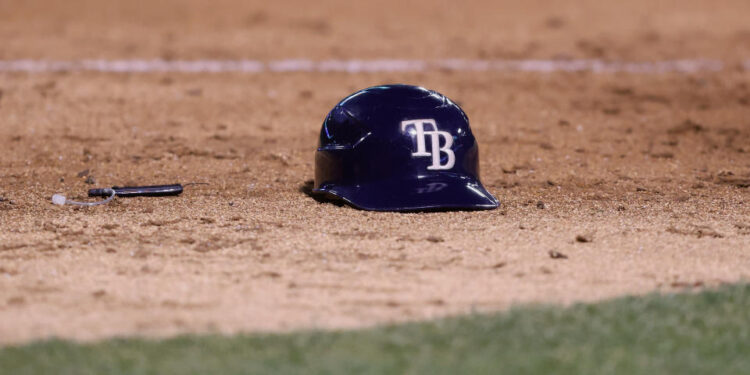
(362,66)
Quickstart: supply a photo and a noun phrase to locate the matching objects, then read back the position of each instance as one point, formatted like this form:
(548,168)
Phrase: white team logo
(420,132)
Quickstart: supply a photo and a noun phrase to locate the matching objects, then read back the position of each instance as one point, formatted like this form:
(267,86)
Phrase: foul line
(362,66)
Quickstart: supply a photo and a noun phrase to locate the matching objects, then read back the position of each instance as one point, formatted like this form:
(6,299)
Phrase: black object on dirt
(139,191)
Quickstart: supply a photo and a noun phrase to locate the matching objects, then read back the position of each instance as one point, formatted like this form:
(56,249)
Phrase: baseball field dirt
(610,183)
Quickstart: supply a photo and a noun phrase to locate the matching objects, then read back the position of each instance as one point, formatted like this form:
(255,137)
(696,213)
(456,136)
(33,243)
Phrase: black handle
(139,191)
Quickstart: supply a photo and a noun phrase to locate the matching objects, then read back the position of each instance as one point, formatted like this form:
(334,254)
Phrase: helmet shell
(400,148)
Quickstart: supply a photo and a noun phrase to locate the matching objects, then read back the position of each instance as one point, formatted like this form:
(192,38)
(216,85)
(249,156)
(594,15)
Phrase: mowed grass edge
(690,333)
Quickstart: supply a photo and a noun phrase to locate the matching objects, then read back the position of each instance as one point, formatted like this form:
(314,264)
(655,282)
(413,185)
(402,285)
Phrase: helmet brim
(446,192)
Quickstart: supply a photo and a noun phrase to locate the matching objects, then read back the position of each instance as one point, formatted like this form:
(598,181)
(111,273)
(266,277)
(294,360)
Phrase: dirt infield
(609,183)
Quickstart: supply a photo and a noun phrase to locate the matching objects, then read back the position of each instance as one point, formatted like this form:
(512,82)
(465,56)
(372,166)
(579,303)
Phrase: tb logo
(435,151)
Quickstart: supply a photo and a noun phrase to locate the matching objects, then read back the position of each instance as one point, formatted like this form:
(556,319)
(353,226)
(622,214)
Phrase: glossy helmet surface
(400,148)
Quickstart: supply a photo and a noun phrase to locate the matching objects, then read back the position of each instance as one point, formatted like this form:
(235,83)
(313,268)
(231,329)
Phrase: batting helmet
(400,148)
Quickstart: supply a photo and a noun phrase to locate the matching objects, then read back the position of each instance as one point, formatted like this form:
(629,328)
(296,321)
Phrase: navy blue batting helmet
(400,148)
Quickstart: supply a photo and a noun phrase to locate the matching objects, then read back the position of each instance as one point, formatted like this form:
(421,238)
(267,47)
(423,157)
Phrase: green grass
(702,333)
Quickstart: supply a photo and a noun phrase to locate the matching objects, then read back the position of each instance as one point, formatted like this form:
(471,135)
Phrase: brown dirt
(642,178)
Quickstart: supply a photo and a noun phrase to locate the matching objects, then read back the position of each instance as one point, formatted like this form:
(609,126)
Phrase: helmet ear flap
(341,130)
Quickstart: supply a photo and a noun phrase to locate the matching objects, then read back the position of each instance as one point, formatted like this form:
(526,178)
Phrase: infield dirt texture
(610,183)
